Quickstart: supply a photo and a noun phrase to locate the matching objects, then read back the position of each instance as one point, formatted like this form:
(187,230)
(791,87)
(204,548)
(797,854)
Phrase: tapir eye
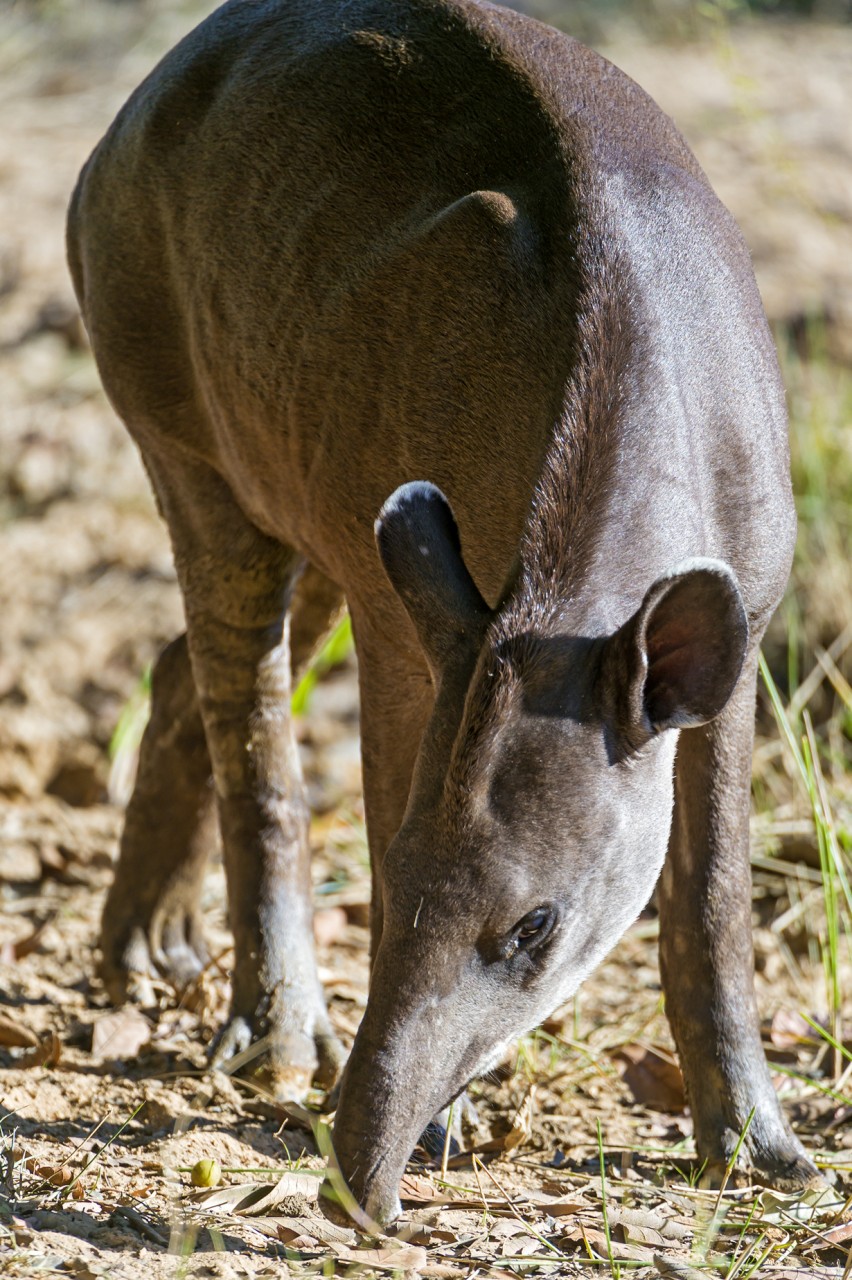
(532,930)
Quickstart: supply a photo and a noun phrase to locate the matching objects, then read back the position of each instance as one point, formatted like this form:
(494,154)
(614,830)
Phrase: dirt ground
(102,1115)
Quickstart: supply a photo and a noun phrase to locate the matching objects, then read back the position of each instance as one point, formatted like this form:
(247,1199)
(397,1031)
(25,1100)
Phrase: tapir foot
(459,1121)
(285,1053)
(797,1174)
(782,1164)
(170,947)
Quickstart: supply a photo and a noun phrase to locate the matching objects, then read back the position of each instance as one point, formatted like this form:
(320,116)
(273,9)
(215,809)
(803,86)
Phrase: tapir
(422,306)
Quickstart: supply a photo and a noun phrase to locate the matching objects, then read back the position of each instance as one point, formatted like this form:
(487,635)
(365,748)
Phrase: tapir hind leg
(151,921)
(706,951)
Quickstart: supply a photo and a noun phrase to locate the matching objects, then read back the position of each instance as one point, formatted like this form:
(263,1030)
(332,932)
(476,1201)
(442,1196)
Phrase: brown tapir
(433,262)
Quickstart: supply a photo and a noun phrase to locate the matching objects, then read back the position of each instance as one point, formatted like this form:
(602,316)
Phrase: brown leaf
(329,924)
(833,1235)
(47,1052)
(296,1239)
(259,1198)
(56,1175)
(325,1234)
(584,1235)
(790,1031)
(653,1079)
(402,1258)
(563,1208)
(519,1245)
(13,951)
(676,1268)
(413,1190)
(521,1130)
(14,1035)
(120,1034)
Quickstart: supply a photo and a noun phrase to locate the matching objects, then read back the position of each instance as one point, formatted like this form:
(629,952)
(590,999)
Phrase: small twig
(674,1269)
(141,1224)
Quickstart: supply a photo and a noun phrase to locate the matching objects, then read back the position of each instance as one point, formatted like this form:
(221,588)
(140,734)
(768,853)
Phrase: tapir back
(354,244)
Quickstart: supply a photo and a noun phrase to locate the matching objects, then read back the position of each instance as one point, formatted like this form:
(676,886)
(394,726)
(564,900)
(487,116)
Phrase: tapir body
(332,252)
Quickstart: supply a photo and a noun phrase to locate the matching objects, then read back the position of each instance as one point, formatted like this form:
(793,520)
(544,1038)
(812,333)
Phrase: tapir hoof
(787,1169)
(792,1175)
(285,1062)
(129,964)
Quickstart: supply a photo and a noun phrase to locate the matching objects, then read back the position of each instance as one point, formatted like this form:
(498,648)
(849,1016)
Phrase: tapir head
(537,824)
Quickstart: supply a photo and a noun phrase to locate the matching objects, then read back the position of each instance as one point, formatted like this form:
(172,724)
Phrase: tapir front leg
(238,586)
(706,951)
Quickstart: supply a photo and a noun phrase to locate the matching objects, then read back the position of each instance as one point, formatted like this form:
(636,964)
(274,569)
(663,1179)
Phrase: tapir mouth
(379,1121)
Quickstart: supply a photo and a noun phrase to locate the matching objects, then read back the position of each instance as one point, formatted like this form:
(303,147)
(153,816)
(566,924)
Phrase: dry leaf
(813,1203)
(677,1269)
(790,1031)
(413,1190)
(258,1198)
(47,1052)
(562,1208)
(295,1239)
(12,951)
(407,1257)
(832,1235)
(516,1247)
(653,1079)
(14,1035)
(120,1034)
(581,1234)
(324,1233)
(56,1175)
(521,1130)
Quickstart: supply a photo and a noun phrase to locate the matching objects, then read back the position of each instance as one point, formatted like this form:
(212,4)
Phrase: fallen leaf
(56,1175)
(832,1235)
(258,1198)
(120,1034)
(296,1239)
(47,1052)
(14,1035)
(791,1031)
(12,951)
(809,1205)
(653,1079)
(519,1248)
(677,1269)
(584,1235)
(413,1190)
(562,1208)
(521,1130)
(402,1258)
(324,1233)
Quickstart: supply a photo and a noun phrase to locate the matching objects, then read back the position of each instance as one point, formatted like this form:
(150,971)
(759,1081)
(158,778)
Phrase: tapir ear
(421,552)
(676,662)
